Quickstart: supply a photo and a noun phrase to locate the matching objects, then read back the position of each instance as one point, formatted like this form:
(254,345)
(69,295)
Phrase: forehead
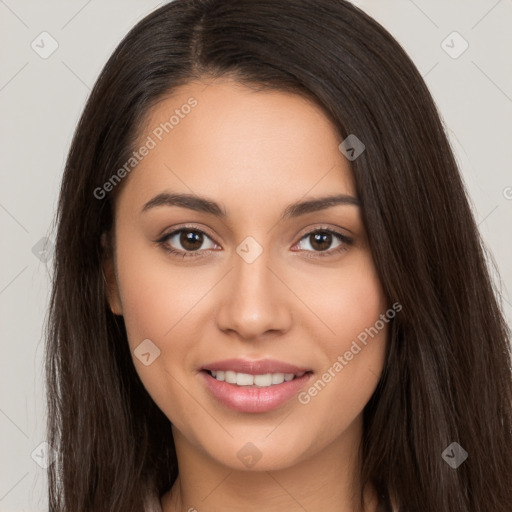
(225,140)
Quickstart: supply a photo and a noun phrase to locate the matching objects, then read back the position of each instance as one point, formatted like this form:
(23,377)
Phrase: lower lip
(253,399)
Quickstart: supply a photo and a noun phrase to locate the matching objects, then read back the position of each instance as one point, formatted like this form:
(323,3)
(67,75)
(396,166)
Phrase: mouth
(264,380)
(253,386)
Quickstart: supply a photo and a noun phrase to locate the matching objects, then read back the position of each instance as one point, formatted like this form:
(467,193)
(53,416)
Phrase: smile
(253,386)
(246,379)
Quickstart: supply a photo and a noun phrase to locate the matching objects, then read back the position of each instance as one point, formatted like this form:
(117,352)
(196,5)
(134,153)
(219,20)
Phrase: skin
(254,153)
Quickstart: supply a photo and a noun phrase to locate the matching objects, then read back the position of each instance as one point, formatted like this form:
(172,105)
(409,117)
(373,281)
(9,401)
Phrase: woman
(269,288)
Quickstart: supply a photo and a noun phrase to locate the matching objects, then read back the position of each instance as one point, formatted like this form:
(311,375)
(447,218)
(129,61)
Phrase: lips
(257,396)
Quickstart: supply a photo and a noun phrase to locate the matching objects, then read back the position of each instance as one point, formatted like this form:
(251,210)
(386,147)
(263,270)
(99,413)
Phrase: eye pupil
(322,240)
(191,240)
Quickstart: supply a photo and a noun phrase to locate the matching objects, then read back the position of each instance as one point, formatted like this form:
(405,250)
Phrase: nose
(254,300)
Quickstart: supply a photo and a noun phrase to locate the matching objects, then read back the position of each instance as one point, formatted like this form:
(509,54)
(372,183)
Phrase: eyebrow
(202,204)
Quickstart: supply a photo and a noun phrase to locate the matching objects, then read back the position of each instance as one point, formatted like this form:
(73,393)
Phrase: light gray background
(41,100)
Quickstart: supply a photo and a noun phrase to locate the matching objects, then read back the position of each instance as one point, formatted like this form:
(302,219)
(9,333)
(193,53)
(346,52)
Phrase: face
(239,281)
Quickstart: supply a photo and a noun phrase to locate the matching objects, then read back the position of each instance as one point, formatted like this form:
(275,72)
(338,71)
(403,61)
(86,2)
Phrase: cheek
(354,353)
(347,302)
(159,304)
(156,296)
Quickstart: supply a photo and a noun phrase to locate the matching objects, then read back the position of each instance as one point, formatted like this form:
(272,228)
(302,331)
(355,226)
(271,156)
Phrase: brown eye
(191,240)
(321,240)
(324,242)
(187,241)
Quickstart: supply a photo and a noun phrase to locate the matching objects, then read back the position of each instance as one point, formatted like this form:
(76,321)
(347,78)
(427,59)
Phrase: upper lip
(259,367)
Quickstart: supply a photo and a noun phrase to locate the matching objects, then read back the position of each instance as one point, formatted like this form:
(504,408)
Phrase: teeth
(246,379)
(264,381)
(230,377)
(278,378)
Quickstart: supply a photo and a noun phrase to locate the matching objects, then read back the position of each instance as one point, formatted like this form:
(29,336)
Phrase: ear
(109,275)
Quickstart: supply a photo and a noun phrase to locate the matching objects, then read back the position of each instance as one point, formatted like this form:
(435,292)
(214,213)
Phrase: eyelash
(163,242)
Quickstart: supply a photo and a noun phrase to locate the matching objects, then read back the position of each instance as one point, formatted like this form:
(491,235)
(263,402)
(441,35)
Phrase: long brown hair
(447,376)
